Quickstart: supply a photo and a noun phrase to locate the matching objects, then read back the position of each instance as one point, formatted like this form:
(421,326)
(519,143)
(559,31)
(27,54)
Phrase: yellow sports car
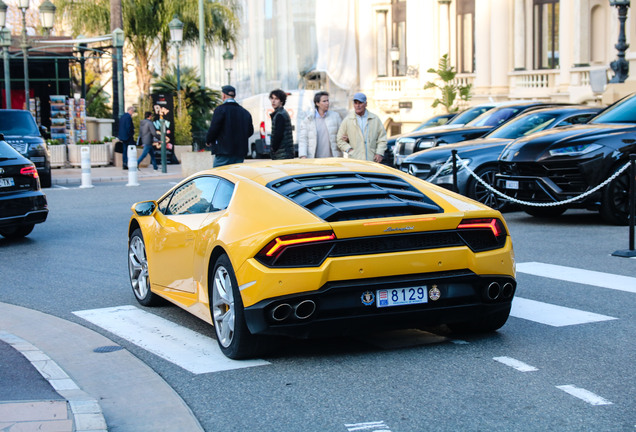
(305,247)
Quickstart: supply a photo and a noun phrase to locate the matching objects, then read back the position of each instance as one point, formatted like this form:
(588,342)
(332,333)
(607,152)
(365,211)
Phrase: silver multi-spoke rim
(486,196)
(138,267)
(223,306)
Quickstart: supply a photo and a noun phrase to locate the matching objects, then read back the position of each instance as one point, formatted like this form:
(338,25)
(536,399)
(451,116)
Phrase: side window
(222,196)
(577,119)
(193,197)
(163,204)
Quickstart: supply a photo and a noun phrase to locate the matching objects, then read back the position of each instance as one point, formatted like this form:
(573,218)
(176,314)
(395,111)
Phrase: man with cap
(362,134)
(229,131)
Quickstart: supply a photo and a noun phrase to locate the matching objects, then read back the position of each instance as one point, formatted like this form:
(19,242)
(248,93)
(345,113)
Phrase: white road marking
(177,344)
(587,277)
(584,395)
(553,315)
(516,364)
(377,426)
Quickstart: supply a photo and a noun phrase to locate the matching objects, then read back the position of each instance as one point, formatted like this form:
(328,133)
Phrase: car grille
(567,176)
(349,196)
(313,255)
(20,147)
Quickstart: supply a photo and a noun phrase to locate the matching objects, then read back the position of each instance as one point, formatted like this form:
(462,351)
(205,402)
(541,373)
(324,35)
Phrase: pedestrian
(148,134)
(317,136)
(282,142)
(126,134)
(362,134)
(230,130)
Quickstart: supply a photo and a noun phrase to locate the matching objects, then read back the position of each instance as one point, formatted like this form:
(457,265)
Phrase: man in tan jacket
(361,134)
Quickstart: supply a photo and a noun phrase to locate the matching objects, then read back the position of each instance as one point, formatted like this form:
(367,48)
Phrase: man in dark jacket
(230,129)
(126,134)
(282,143)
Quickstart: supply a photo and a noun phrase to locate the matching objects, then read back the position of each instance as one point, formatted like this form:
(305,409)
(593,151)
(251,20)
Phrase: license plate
(6,182)
(512,184)
(401,296)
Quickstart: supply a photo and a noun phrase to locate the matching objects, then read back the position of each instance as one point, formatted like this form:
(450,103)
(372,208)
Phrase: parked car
(563,163)
(22,202)
(437,120)
(22,133)
(450,134)
(339,246)
(481,154)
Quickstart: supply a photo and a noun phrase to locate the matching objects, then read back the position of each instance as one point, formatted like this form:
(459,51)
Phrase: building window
(382,50)
(398,13)
(465,36)
(546,34)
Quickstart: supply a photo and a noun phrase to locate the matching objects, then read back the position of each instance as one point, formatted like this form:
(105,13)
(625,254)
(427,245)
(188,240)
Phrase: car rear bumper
(349,306)
(23,209)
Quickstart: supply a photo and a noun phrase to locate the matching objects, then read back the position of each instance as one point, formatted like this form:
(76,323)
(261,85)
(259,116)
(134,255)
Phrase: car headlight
(448,169)
(404,146)
(576,150)
(425,144)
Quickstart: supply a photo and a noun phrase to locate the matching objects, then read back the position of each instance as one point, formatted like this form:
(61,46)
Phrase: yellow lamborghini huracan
(306,247)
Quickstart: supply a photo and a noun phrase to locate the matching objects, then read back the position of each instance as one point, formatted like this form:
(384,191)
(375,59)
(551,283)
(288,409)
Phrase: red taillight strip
(280,243)
(29,171)
(482,223)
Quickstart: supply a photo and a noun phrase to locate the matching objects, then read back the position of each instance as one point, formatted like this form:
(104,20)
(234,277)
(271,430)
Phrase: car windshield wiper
(6,158)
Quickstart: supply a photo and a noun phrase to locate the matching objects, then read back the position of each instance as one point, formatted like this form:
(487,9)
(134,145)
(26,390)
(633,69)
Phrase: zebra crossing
(200,354)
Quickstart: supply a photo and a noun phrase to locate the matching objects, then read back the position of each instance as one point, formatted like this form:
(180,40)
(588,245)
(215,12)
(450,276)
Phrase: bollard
(454,153)
(630,253)
(85,161)
(132,166)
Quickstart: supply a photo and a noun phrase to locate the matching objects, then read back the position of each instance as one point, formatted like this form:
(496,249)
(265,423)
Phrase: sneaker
(125,167)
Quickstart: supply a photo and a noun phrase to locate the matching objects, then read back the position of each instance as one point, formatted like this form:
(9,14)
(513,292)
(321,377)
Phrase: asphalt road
(529,376)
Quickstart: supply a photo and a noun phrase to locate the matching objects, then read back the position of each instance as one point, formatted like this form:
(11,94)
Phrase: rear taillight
(483,234)
(310,248)
(29,171)
(262,130)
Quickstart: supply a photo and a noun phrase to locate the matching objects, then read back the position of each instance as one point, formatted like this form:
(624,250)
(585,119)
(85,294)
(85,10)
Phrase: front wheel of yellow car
(138,270)
(232,334)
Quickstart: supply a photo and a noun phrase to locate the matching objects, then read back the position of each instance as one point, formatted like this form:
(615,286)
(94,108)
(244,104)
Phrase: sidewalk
(73,176)
(58,376)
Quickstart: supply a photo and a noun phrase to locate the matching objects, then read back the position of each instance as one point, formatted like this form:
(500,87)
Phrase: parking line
(515,364)
(179,345)
(553,315)
(587,277)
(376,426)
(585,395)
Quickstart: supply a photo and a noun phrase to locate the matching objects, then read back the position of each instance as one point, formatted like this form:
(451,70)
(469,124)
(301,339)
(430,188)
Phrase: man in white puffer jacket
(318,130)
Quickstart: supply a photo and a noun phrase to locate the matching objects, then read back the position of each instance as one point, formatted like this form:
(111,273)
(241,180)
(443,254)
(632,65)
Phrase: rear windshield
(18,123)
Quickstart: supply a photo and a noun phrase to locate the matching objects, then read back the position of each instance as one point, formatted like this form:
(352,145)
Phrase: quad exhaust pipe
(301,311)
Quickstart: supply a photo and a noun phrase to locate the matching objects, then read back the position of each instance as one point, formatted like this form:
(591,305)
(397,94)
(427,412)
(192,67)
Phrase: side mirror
(144,208)
(44,132)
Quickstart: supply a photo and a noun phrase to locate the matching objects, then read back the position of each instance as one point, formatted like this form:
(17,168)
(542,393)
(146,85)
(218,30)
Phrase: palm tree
(199,101)
(146,25)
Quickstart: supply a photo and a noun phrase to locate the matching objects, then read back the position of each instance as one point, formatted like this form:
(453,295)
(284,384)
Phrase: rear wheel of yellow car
(138,270)
(232,334)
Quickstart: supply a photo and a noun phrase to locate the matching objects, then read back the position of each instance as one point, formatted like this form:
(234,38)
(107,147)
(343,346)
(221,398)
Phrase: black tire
(17,232)
(226,306)
(45,180)
(484,325)
(478,192)
(544,212)
(615,200)
(138,271)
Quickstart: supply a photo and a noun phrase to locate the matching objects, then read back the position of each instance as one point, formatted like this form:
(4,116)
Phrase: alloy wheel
(223,309)
(138,267)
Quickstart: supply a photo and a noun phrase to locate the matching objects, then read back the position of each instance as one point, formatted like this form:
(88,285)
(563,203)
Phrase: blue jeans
(220,160)
(148,149)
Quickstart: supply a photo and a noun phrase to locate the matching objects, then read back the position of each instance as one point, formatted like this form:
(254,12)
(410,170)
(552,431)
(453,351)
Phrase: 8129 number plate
(401,296)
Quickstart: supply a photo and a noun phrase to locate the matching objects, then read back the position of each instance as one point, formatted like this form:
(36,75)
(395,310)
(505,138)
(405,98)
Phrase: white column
(444,28)
(482,47)
(581,32)
(519,35)
(500,45)
(566,45)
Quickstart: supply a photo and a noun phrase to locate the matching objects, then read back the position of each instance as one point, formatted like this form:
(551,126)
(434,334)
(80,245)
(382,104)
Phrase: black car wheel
(479,192)
(615,203)
(16,232)
(138,270)
(45,180)
(482,325)
(544,212)
(232,334)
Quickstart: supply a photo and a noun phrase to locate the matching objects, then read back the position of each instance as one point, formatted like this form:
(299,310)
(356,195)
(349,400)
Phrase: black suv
(22,133)
(563,163)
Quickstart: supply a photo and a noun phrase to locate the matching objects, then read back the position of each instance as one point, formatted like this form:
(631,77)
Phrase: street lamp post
(118,42)
(227,63)
(176,35)
(5,42)
(620,66)
(24,44)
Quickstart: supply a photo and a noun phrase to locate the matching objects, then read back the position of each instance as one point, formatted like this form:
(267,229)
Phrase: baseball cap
(228,90)
(360,97)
